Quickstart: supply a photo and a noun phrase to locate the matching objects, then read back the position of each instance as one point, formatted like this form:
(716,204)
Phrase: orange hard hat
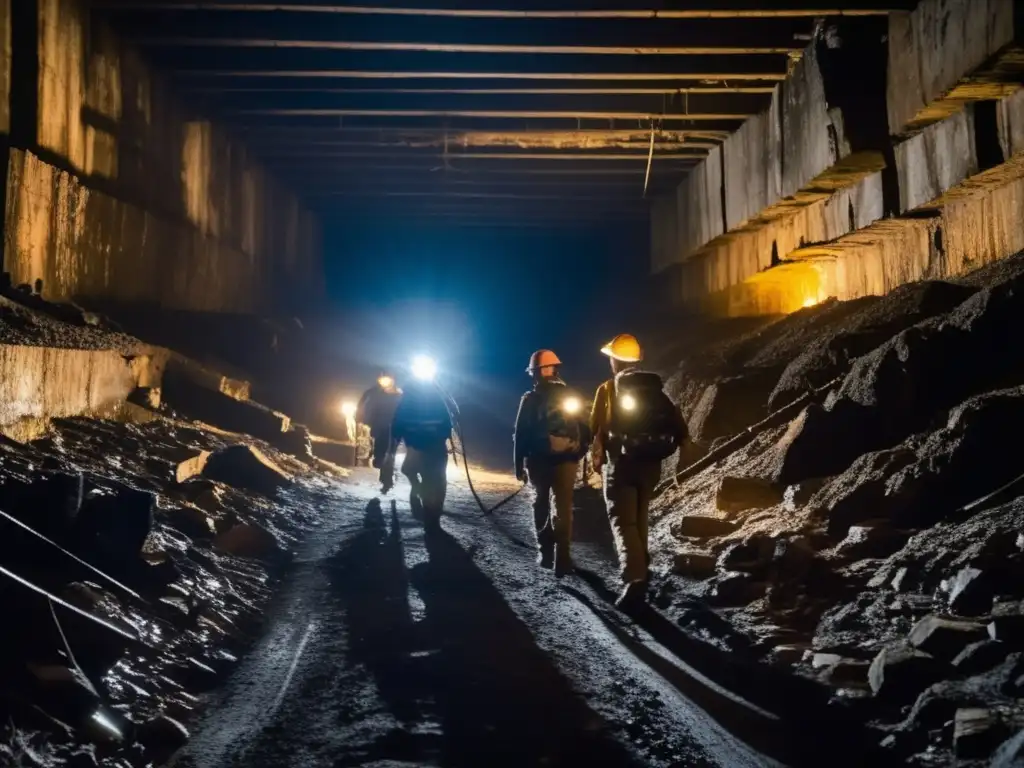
(624,348)
(542,358)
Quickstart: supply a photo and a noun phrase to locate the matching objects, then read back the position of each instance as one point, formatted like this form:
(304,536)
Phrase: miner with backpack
(551,435)
(636,427)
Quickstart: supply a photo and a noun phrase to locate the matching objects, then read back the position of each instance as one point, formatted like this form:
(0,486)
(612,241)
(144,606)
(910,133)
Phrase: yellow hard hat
(625,348)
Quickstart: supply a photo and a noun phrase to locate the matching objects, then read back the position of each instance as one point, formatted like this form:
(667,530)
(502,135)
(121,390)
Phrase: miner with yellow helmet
(635,427)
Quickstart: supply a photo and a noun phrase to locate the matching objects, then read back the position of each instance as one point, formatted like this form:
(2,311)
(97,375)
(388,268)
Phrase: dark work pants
(628,489)
(383,453)
(553,528)
(427,471)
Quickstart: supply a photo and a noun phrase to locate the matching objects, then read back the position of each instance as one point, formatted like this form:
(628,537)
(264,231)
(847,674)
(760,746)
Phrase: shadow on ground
(468,683)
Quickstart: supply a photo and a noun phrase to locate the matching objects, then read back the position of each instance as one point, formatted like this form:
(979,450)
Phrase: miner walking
(551,435)
(376,409)
(636,427)
(424,423)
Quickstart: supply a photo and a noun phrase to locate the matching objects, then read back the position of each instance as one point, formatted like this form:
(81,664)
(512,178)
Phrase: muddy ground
(870,541)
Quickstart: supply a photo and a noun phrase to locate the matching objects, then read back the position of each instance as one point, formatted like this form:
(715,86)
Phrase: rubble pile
(136,559)
(873,544)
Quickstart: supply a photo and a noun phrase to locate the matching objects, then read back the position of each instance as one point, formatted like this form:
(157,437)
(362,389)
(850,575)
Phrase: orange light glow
(810,301)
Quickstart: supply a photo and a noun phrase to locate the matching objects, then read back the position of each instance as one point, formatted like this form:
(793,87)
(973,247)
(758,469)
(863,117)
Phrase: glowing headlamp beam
(572,405)
(348,409)
(424,368)
(628,402)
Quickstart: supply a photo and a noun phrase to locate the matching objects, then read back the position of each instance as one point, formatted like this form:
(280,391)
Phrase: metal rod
(74,609)
(487,13)
(370,45)
(498,114)
(80,561)
(599,91)
(359,74)
(319,154)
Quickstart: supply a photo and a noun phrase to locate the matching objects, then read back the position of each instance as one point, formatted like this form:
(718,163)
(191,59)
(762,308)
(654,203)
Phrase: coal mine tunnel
(470,383)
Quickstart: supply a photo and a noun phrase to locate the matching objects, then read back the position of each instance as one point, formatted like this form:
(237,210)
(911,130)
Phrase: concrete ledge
(335,451)
(976,223)
(185,396)
(41,383)
(950,52)
(813,141)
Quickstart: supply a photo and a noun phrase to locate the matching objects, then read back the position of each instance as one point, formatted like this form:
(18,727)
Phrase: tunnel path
(388,647)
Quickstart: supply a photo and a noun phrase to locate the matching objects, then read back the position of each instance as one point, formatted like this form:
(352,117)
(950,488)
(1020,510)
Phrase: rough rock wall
(115,191)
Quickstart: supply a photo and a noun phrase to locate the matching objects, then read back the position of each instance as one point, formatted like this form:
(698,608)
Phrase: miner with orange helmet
(636,427)
(551,436)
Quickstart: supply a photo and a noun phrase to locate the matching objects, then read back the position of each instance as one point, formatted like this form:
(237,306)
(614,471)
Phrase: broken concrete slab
(182,395)
(243,466)
(335,451)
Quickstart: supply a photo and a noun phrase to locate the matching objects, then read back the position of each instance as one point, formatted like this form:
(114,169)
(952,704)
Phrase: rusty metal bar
(359,74)
(214,89)
(318,155)
(367,45)
(487,13)
(497,113)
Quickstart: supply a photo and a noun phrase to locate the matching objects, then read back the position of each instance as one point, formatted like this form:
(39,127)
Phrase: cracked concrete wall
(932,190)
(120,193)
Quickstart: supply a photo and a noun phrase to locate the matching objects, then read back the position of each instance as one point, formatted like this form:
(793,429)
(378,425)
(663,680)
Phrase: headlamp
(424,368)
(571,405)
(628,402)
(348,409)
(385,382)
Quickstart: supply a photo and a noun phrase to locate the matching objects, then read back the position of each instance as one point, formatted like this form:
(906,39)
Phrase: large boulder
(731,404)
(897,388)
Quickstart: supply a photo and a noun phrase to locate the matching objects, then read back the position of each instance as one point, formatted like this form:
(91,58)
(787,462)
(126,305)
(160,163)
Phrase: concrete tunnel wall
(824,195)
(115,191)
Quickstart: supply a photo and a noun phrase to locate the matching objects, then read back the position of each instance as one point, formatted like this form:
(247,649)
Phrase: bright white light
(572,405)
(424,368)
(348,409)
(810,301)
(628,402)
(385,382)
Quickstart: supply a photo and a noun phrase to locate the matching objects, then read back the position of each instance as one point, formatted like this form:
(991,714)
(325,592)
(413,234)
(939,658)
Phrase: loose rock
(945,638)
(900,673)
(702,527)
(737,494)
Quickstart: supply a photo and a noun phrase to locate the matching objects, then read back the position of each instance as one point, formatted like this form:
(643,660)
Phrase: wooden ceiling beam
(709,10)
(711,75)
(485,48)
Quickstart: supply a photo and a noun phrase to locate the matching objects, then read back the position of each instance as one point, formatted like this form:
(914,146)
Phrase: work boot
(386,484)
(546,557)
(632,598)
(563,563)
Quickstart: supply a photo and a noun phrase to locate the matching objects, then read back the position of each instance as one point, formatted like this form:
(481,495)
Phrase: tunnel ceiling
(483,112)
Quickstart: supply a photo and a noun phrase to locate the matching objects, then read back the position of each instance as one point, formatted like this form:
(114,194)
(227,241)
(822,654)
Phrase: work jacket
(423,419)
(530,438)
(377,407)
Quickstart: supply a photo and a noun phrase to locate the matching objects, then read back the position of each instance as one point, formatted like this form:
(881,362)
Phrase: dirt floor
(870,541)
